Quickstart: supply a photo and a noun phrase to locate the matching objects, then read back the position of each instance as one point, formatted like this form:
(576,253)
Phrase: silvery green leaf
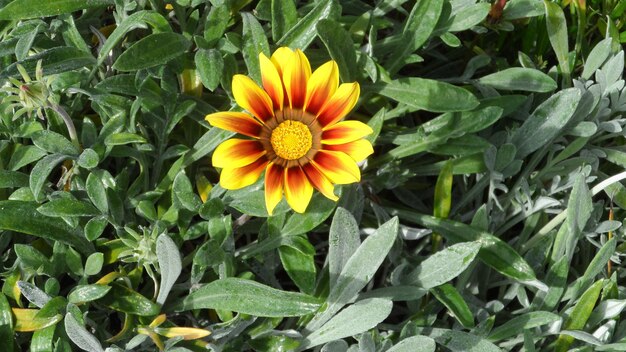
(80,336)
(170,264)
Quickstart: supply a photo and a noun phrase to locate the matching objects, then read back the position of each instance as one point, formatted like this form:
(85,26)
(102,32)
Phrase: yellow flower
(297,136)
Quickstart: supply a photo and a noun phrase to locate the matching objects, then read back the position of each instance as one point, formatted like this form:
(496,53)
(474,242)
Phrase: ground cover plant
(330,175)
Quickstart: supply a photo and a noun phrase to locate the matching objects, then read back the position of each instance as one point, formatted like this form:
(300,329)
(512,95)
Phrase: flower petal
(337,166)
(321,86)
(358,150)
(251,97)
(235,153)
(280,58)
(272,83)
(298,190)
(320,182)
(274,179)
(239,122)
(295,76)
(340,104)
(345,131)
(242,176)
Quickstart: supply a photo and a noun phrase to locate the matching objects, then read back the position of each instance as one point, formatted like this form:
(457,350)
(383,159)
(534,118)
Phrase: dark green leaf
(303,32)
(67,207)
(341,48)
(25,9)
(150,51)
(428,94)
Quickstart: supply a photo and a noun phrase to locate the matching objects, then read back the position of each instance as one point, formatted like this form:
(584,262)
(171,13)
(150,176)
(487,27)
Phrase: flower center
(291,140)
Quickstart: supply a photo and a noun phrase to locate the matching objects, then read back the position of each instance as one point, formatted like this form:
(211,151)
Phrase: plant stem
(71,129)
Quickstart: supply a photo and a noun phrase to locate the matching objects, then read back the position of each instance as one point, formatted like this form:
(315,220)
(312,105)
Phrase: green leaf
(183,195)
(25,9)
(95,227)
(469,16)
(41,171)
(579,315)
(557,33)
(546,122)
(170,265)
(355,319)
(443,266)
(414,344)
(123,138)
(6,321)
(136,20)
(97,193)
(150,51)
(53,142)
(126,300)
(20,216)
(80,336)
(595,267)
(358,271)
(55,60)
(428,94)
(340,46)
(519,78)
(24,155)
(88,159)
(249,297)
(210,65)
(298,259)
(443,192)
(33,294)
(67,207)
(284,17)
(597,57)
(343,241)
(87,293)
(419,26)
(494,252)
(93,265)
(317,212)
(254,43)
(452,299)
(523,322)
(459,341)
(13,179)
(303,32)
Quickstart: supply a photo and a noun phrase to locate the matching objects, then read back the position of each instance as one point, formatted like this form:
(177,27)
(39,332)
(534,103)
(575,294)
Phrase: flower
(297,136)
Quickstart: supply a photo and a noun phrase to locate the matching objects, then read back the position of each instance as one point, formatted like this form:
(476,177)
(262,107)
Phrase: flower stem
(71,129)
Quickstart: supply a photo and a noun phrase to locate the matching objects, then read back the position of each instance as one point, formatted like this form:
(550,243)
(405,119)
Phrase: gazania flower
(295,131)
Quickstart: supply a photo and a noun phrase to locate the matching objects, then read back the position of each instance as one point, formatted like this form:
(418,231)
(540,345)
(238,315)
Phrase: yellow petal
(251,97)
(186,333)
(341,103)
(272,83)
(358,150)
(274,179)
(337,166)
(235,122)
(345,131)
(243,176)
(280,58)
(298,190)
(295,76)
(235,153)
(321,86)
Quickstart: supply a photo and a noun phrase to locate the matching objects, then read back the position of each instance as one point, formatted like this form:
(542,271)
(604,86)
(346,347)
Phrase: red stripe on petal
(358,150)
(337,166)
(272,83)
(320,182)
(295,76)
(339,105)
(252,98)
(274,179)
(345,131)
(243,176)
(235,153)
(236,122)
(321,86)
(298,190)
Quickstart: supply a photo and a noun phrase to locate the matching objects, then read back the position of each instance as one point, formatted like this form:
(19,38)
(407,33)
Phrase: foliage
(504,121)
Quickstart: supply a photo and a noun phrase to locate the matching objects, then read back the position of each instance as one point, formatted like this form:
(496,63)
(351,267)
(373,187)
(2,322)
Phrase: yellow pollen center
(291,140)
